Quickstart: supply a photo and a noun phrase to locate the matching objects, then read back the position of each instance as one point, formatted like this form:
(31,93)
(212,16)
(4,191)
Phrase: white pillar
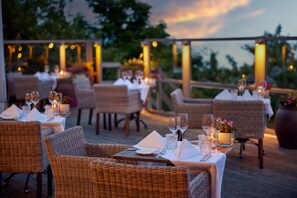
(260,61)
(146,59)
(98,63)
(62,57)
(186,67)
(3,94)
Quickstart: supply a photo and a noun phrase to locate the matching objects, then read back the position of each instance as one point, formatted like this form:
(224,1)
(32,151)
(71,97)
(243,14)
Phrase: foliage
(224,125)
(289,100)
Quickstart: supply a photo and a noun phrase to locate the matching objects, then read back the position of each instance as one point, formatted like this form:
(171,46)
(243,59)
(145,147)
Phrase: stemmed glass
(183,123)
(129,74)
(51,96)
(35,97)
(124,75)
(28,99)
(207,123)
(261,86)
(173,124)
(215,134)
(58,100)
(241,84)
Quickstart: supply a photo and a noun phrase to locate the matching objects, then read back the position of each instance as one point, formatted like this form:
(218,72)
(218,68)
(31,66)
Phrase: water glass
(204,143)
(26,109)
(171,141)
(234,94)
(173,124)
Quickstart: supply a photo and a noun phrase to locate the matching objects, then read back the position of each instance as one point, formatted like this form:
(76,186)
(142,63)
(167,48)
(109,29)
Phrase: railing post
(186,67)
(260,60)
(62,56)
(146,58)
(98,54)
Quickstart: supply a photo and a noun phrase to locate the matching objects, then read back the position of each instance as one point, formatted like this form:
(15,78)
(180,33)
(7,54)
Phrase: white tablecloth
(57,124)
(215,165)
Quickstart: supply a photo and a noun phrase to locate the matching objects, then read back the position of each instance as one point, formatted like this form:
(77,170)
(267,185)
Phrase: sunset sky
(217,18)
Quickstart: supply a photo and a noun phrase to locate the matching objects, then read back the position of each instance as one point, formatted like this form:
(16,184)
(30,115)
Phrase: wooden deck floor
(242,177)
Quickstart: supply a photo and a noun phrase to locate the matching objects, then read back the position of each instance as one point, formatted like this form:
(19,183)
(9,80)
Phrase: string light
(155,44)
(51,45)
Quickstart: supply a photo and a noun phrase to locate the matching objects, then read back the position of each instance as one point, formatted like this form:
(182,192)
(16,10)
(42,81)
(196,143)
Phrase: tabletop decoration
(226,131)
(67,101)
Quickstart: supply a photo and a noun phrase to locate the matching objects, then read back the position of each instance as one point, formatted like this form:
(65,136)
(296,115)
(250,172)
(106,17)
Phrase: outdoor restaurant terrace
(176,121)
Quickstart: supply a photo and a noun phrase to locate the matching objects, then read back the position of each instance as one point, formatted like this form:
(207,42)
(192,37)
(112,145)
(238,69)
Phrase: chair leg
(97,123)
(109,121)
(104,120)
(90,116)
(49,181)
(260,153)
(137,121)
(115,120)
(26,189)
(39,185)
(127,124)
(78,116)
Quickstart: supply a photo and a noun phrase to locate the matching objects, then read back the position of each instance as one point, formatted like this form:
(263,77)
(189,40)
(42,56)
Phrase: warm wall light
(20,48)
(243,76)
(72,46)
(51,45)
(155,44)
(20,55)
(19,69)
(260,61)
(291,68)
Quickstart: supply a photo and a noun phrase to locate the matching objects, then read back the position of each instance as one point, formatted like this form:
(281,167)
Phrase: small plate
(146,151)
(4,117)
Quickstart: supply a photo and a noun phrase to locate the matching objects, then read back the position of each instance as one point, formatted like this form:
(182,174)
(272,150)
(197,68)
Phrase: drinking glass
(214,140)
(261,86)
(28,99)
(58,100)
(46,68)
(56,69)
(241,84)
(51,96)
(171,141)
(35,97)
(183,122)
(173,124)
(207,123)
(129,74)
(124,75)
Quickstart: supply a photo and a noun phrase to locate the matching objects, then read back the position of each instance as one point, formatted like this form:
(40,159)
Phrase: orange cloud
(196,18)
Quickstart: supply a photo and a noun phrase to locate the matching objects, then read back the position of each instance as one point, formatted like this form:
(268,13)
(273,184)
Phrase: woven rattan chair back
(122,180)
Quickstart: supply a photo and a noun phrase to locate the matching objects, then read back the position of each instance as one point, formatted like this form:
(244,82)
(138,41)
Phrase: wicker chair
(249,120)
(29,83)
(23,151)
(85,98)
(122,180)
(10,86)
(195,108)
(70,158)
(117,99)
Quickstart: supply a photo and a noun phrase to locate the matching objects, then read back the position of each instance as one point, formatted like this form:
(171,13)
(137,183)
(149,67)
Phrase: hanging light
(51,45)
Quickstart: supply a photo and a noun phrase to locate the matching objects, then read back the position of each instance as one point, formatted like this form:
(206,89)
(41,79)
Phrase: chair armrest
(85,98)
(198,100)
(104,150)
(200,185)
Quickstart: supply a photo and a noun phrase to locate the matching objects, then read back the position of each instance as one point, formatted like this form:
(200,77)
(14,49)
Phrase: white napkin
(42,76)
(35,115)
(224,95)
(185,150)
(247,95)
(119,82)
(129,84)
(13,112)
(153,140)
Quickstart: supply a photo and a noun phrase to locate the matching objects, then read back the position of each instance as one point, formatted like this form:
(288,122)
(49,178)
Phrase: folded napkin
(224,95)
(119,82)
(35,115)
(42,76)
(153,140)
(185,150)
(247,95)
(13,112)
(129,84)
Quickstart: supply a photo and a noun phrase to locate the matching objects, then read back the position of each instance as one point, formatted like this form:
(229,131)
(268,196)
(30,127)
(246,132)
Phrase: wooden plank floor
(242,177)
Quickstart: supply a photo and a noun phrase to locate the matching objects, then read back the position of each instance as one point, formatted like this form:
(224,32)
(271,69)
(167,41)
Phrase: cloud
(256,13)
(193,18)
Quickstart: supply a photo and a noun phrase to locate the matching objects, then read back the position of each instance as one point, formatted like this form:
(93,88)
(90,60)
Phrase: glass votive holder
(171,141)
(234,94)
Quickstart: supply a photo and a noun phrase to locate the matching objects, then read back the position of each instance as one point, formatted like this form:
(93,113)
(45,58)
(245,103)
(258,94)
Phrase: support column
(98,58)
(186,68)
(89,51)
(46,54)
(30,51)
(62,57)
(78,51)
(174,54)
(3,94)
(260,61)
(146,59)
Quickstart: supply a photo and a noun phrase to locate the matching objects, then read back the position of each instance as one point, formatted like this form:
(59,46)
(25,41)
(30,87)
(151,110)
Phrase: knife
(205,158)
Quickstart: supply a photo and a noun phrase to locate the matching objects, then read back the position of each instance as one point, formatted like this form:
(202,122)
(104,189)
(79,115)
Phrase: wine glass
(28,99)
(58,100)
(215,135)
(241,84)
(129,74)
(124,75)
(51,96)
(183,122)
(173,124)
(207,122)
(261,86)
(35,97)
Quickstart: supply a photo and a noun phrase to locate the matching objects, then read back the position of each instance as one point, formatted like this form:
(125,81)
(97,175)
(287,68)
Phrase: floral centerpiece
(226,131)
(69,100)
(289,100)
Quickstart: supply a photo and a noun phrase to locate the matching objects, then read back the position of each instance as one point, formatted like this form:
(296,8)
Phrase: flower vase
(226,138)
(64,108)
